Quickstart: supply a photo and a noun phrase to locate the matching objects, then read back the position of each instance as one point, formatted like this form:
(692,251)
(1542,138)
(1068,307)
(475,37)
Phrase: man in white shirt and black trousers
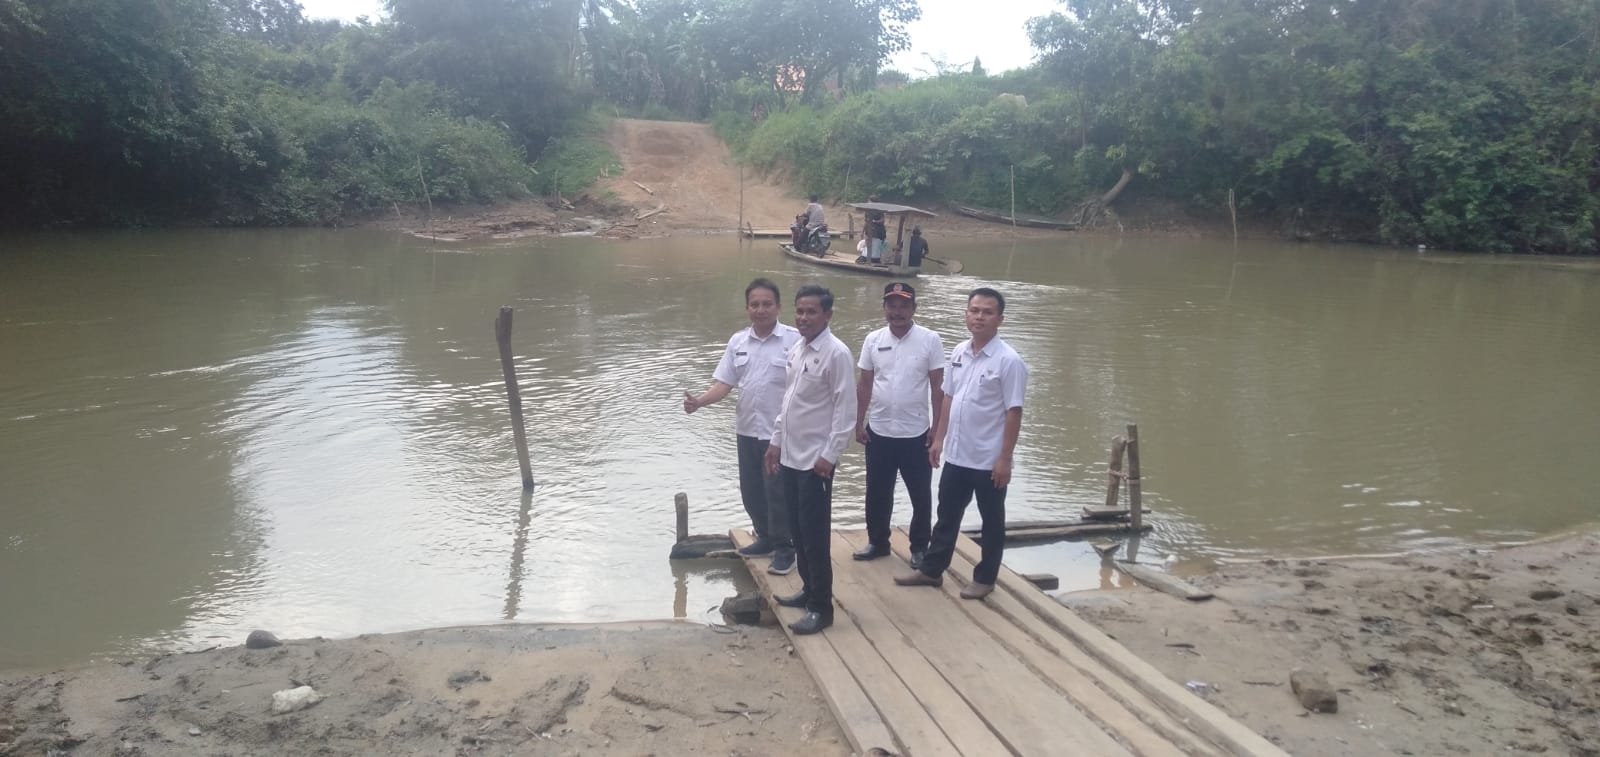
(977,431)
(811,432)
(756,360)
(902,368)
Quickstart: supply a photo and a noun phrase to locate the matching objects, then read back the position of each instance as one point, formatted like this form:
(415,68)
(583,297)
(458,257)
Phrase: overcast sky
(954,30)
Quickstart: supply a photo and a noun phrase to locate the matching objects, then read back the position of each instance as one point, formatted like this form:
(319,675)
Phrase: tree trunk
(1122,183)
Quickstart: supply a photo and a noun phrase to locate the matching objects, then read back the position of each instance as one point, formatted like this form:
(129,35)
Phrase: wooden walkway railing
(920,671)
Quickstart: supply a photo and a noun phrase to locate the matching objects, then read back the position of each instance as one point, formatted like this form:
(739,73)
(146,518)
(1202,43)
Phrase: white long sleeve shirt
(819,403)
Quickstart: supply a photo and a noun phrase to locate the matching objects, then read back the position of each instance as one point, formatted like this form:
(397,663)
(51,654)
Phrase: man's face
(762,307)
(898,312)
(809,317)
(983,317)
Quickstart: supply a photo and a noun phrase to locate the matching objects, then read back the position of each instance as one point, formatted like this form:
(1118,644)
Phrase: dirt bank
(664,688)
(688,182)
(1470,653)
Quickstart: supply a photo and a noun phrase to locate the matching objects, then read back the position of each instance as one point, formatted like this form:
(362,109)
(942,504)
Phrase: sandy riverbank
(1482,652)
(627,688)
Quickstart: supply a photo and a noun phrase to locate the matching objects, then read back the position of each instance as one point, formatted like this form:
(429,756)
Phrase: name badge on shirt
(740,353)
(956,364)
(884,349)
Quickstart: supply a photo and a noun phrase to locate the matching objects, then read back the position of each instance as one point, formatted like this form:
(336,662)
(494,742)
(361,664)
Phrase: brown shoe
(918,578)
(976,590)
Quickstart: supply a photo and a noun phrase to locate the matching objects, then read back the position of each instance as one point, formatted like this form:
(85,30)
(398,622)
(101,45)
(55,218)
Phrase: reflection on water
(206,432)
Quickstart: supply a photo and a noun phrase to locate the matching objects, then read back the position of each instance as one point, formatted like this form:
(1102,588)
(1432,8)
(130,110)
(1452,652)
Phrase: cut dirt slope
(694,175)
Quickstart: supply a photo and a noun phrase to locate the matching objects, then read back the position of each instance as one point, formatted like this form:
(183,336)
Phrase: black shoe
(916,558)
(782,562)
(861,260)
(811,623)
(871,552)
(797,599)
(757,548)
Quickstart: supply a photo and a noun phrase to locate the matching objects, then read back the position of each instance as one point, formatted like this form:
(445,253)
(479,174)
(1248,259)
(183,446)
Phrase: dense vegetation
(1470,124)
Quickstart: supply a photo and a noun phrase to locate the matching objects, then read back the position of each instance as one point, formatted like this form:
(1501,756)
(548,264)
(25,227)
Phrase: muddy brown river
(206,432)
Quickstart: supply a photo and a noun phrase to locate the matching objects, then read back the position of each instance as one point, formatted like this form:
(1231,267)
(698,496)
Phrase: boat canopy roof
(890,208)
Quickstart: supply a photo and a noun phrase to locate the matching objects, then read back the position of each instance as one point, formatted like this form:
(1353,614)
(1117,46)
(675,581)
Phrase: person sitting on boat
(807,223)
(919,247)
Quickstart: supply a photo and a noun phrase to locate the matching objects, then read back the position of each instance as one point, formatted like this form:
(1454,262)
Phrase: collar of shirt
(989,350)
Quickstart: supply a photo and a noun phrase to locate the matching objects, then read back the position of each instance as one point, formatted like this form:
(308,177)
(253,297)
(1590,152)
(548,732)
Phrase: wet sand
(1474,652)
(627,688)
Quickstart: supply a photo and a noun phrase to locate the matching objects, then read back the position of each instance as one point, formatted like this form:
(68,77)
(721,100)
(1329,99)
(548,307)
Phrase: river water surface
(203,433)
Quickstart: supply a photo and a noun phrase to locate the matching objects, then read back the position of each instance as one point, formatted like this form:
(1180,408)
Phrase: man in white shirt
(976,433)
(902,367)
(755,361)
(812,431)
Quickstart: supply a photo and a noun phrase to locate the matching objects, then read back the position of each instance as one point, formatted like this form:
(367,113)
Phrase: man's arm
(711,396)
(844,412)
(1001,475)
(941,424)
(935,398)
(863,400)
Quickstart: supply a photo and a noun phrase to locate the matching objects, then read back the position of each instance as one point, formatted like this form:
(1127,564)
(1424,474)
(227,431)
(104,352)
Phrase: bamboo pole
(1119,445)
(1013,199)
(502,334)
(1135,496)
(741,196)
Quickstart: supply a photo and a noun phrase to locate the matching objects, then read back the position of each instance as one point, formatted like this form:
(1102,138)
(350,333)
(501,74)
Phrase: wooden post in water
(1013,199)
(682,501)
(1135,497)
(741,198)
(1119,445)
(502,334)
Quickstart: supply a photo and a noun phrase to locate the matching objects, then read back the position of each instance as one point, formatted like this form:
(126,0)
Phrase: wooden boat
(840,262)
(1022,220)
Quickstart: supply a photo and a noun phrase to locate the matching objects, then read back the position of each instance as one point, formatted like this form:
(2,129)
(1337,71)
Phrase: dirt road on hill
(694,175)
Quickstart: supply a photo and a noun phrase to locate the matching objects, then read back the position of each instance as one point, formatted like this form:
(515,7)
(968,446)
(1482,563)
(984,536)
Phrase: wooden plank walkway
(920,671)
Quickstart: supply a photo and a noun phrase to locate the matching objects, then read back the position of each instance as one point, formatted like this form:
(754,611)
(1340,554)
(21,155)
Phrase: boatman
(812,431)
(902,368)
(755,361)
(976,434)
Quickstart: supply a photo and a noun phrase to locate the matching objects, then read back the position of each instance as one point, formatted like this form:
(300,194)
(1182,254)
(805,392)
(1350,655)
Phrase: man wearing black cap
(902,367)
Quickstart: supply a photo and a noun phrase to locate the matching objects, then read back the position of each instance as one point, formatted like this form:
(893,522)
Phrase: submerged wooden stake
(1135,496)
(682,501)
(502,334)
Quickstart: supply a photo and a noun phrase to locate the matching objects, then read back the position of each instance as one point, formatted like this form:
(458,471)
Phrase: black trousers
(908,458)
(762,495)
(957,486)
(810,501)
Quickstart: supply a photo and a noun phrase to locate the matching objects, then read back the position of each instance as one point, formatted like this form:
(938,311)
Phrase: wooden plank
(1119,445)
(646,214)
(1107,698)
(1212,723)
(1163,582)
(1022,535)
(1044,581)
(906,674)
(1105,513)
(862,723)
(646,189)
(1025,711)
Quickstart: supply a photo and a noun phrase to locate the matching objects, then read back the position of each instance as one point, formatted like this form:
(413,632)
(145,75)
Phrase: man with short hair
(984,382)
(811,432)
(755,361)
(902,367)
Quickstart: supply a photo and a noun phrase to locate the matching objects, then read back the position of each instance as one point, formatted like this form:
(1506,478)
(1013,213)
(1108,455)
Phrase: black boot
(797,599)
(811,623)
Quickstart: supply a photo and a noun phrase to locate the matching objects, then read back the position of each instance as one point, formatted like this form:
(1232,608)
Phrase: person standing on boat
(919,248)
(902,368)
(984,382)
(811,432)
(755,361)
(877,233)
